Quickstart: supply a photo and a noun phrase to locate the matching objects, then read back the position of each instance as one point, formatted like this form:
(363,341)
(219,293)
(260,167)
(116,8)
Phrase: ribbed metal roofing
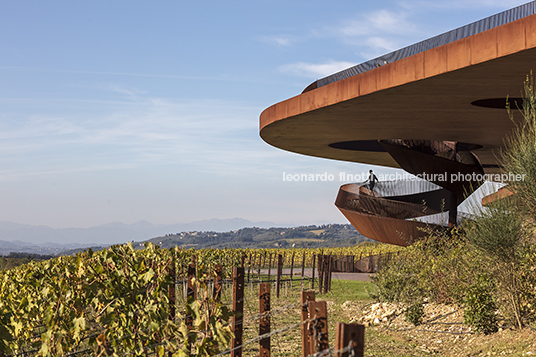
(447,37)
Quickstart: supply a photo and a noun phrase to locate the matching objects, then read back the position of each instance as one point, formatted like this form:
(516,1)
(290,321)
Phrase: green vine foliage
(112,302)
(115,302)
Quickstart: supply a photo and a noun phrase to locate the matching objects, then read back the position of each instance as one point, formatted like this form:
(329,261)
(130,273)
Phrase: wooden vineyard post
(313,279)
(306,298)
(190,291)
(326,260)
(269,267)
(330,271)
(172,294)
(171,289)
(242,260)
(302,270)
(218,282)
(279,272)
(320,273)
(318,311)
(190,296)
(238,309)
(291,269)
(194,259)
(264,322)
(249,267)
(260,265)
(346,333)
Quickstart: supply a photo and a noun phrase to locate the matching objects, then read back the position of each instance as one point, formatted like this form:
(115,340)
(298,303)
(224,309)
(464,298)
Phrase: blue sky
(148,110)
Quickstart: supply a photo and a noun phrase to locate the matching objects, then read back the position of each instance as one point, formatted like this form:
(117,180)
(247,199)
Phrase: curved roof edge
(474,28)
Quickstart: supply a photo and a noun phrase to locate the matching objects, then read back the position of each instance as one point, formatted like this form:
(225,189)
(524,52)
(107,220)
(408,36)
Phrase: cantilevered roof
(451,87)
(471,29)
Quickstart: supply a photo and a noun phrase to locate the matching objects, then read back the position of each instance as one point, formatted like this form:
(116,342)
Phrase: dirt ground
(442,333)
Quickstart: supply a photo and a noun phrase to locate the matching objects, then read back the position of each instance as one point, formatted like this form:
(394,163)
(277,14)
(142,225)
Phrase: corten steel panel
(511,38)
(310,101)
(459,54)
(530,33)
(391,219)
(368,81)
(293,107)
(269,114)
(406,70)
(502,193)
(281,109)
(386,230)
(418,67)
(339,92)
(484,46)
(386,76)
(353,86)
(435,61)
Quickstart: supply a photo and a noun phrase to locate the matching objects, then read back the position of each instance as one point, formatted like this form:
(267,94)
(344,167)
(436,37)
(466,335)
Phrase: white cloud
(282,40)
(315,70)
(378,22)
(373,34)
(200,133)
(377,46)
(122,89)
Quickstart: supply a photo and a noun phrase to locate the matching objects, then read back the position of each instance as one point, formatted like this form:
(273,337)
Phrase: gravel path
(308,273)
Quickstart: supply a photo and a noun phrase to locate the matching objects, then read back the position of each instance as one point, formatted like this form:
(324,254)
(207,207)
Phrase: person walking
(372,180)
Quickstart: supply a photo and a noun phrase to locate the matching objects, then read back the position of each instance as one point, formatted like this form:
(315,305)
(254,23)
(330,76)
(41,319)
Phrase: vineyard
(117,301)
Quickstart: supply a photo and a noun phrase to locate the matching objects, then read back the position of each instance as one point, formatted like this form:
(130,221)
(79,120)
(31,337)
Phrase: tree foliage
(519,153)
(489,264)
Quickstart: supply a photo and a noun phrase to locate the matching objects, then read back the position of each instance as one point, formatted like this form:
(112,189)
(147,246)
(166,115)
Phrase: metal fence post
(264,323)
(279,273)
(319,312)
(346,333)
(238,309)
(305,298)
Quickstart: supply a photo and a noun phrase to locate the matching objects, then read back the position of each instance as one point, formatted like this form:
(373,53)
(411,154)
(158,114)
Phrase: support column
(453,211)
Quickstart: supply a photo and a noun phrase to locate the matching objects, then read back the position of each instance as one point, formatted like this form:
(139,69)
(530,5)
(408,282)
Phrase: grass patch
(302,240)
(378,340)
(349,290)
(318,231)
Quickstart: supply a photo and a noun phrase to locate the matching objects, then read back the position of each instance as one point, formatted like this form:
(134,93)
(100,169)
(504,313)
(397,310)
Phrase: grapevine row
(116,300)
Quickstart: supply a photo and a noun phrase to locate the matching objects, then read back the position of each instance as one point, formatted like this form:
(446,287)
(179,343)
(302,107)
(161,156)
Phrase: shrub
(397,281)
(415,313)
(499,235)
(438,267)
(480,307)
(519,155)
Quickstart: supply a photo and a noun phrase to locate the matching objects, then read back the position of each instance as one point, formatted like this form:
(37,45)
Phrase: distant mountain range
(16,237)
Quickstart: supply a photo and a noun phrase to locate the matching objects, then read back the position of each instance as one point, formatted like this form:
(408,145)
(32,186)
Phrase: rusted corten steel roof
(450,92)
